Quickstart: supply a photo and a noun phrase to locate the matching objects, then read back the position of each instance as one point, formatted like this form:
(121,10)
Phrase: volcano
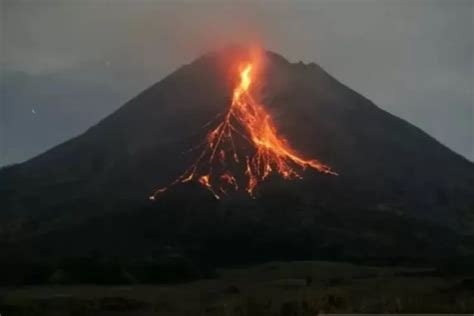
(224,126)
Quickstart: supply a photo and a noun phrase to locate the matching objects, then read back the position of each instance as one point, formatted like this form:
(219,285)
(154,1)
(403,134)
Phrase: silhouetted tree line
(97,270)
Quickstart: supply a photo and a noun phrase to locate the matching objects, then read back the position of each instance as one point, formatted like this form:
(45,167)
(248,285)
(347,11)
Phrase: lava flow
(248,122)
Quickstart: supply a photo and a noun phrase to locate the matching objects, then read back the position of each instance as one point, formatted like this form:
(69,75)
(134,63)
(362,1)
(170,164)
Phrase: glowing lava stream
(270,151)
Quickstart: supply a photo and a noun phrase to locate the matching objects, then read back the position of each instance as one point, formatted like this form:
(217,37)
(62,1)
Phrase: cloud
(412,58)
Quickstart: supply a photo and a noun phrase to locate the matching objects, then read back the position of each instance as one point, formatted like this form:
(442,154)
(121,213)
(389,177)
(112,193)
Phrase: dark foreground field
(276,288)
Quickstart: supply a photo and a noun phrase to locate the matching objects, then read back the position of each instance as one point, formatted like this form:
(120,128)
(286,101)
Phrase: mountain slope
(392,175)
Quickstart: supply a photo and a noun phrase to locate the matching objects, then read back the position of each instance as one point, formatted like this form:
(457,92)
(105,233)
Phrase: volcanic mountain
(397,193)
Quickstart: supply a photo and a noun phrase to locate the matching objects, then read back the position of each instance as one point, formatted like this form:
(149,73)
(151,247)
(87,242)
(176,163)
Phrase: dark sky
(67,64)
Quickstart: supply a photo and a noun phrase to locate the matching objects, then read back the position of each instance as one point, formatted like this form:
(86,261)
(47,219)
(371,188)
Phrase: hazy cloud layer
(67,64)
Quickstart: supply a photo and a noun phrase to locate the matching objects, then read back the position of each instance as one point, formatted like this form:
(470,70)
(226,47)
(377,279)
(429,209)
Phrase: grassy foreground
(275,288)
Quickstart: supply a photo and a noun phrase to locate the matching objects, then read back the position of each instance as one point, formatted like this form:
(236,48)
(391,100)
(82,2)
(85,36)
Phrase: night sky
(67,64)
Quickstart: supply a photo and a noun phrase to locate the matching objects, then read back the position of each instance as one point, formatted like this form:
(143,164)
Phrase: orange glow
(248,121)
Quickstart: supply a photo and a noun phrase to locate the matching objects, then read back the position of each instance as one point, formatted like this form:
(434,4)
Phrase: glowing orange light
(248,120)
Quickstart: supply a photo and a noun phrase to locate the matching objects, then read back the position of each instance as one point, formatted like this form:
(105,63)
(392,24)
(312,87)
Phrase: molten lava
(246,120)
